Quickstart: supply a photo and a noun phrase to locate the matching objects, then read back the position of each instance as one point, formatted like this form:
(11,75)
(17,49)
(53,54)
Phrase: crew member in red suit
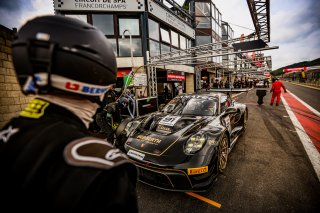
(276,91)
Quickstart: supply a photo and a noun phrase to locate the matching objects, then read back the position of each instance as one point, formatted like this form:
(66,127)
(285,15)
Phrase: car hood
(168,131)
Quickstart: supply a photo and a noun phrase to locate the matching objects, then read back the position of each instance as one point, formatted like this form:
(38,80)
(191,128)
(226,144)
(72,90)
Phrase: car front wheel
(223,154)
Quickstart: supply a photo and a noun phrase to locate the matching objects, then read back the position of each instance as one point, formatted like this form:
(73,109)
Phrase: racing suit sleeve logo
(7,133)
(35,109)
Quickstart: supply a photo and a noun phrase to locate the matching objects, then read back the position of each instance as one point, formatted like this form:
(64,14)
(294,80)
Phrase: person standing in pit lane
(276,91)
(48,160)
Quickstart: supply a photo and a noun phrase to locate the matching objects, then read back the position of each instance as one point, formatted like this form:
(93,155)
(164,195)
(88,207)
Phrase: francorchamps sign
(100,5)
(170,18)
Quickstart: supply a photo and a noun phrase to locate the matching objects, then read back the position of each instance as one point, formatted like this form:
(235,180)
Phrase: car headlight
(195,143)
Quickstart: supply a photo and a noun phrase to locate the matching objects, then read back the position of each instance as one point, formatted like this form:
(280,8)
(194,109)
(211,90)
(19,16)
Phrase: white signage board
(261,69)
(100,5)
(169,120)
(140,79)
(170,18)
(135,154)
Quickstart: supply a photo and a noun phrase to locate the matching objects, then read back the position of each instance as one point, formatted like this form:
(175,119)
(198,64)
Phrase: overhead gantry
(202,57)
(260,14)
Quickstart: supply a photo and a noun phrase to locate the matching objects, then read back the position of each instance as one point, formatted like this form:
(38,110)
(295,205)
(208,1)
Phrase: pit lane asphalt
(267,171)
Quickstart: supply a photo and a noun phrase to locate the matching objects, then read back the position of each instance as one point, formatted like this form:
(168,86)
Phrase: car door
(229,120)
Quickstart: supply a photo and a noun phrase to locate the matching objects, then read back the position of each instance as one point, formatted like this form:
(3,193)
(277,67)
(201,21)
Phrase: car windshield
(175,105)
(201,107)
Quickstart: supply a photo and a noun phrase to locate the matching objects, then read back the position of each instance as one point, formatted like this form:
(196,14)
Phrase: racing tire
(120,138)
(122,126)
(109,133)
(245,119)
(223,153)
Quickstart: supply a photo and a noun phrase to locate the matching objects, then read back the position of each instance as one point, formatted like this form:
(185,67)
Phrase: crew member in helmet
(48,160)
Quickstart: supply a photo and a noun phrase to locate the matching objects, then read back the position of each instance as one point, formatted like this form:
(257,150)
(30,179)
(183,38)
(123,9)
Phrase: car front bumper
(175,179)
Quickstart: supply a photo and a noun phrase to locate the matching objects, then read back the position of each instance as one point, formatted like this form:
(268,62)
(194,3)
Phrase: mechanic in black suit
(48,160)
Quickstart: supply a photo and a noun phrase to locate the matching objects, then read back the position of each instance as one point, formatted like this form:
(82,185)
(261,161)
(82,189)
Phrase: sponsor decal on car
(169,120)
(227,121)
(136,155)
(163,128)
(149,139)
(199,170)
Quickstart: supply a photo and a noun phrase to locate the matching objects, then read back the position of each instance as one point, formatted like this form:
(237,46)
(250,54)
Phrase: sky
(295,24)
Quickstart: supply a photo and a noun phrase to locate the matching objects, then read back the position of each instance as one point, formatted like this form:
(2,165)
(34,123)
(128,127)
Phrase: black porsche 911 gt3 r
(185,145)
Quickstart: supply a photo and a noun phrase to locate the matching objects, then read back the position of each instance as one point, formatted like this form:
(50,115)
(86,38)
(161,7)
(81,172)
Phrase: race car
(260,84)
(184,146)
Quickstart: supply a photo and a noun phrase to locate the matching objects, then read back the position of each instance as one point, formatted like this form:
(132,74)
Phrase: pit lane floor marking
(307,143)
(306,105)
(211,202)
(308,117)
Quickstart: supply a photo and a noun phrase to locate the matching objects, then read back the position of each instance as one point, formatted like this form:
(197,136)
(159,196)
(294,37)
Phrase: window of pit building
(188,43)
(133,25)
(129,24)
(215,34)
(203,40)
(105,23)
(125,48)
(183,44)
(216,20)
(153,30)
(154,48)
(154,37)
(165,48)
(202,9)
(170,40)
(114,45)
(165,35)
(80,17)
(173,49)
(214,25)
(203,22)
(174,39)
(213,11)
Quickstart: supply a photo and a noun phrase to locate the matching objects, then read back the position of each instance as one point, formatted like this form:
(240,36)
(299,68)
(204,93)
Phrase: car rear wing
(228,90)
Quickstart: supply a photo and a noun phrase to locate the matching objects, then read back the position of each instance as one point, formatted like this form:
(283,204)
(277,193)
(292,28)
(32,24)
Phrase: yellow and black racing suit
(49,164)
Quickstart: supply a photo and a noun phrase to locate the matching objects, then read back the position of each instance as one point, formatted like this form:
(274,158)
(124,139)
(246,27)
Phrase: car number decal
(227,120)
(169,120)
(136,155)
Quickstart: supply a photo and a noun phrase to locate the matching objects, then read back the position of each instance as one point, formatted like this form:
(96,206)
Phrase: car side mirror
(230,110)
